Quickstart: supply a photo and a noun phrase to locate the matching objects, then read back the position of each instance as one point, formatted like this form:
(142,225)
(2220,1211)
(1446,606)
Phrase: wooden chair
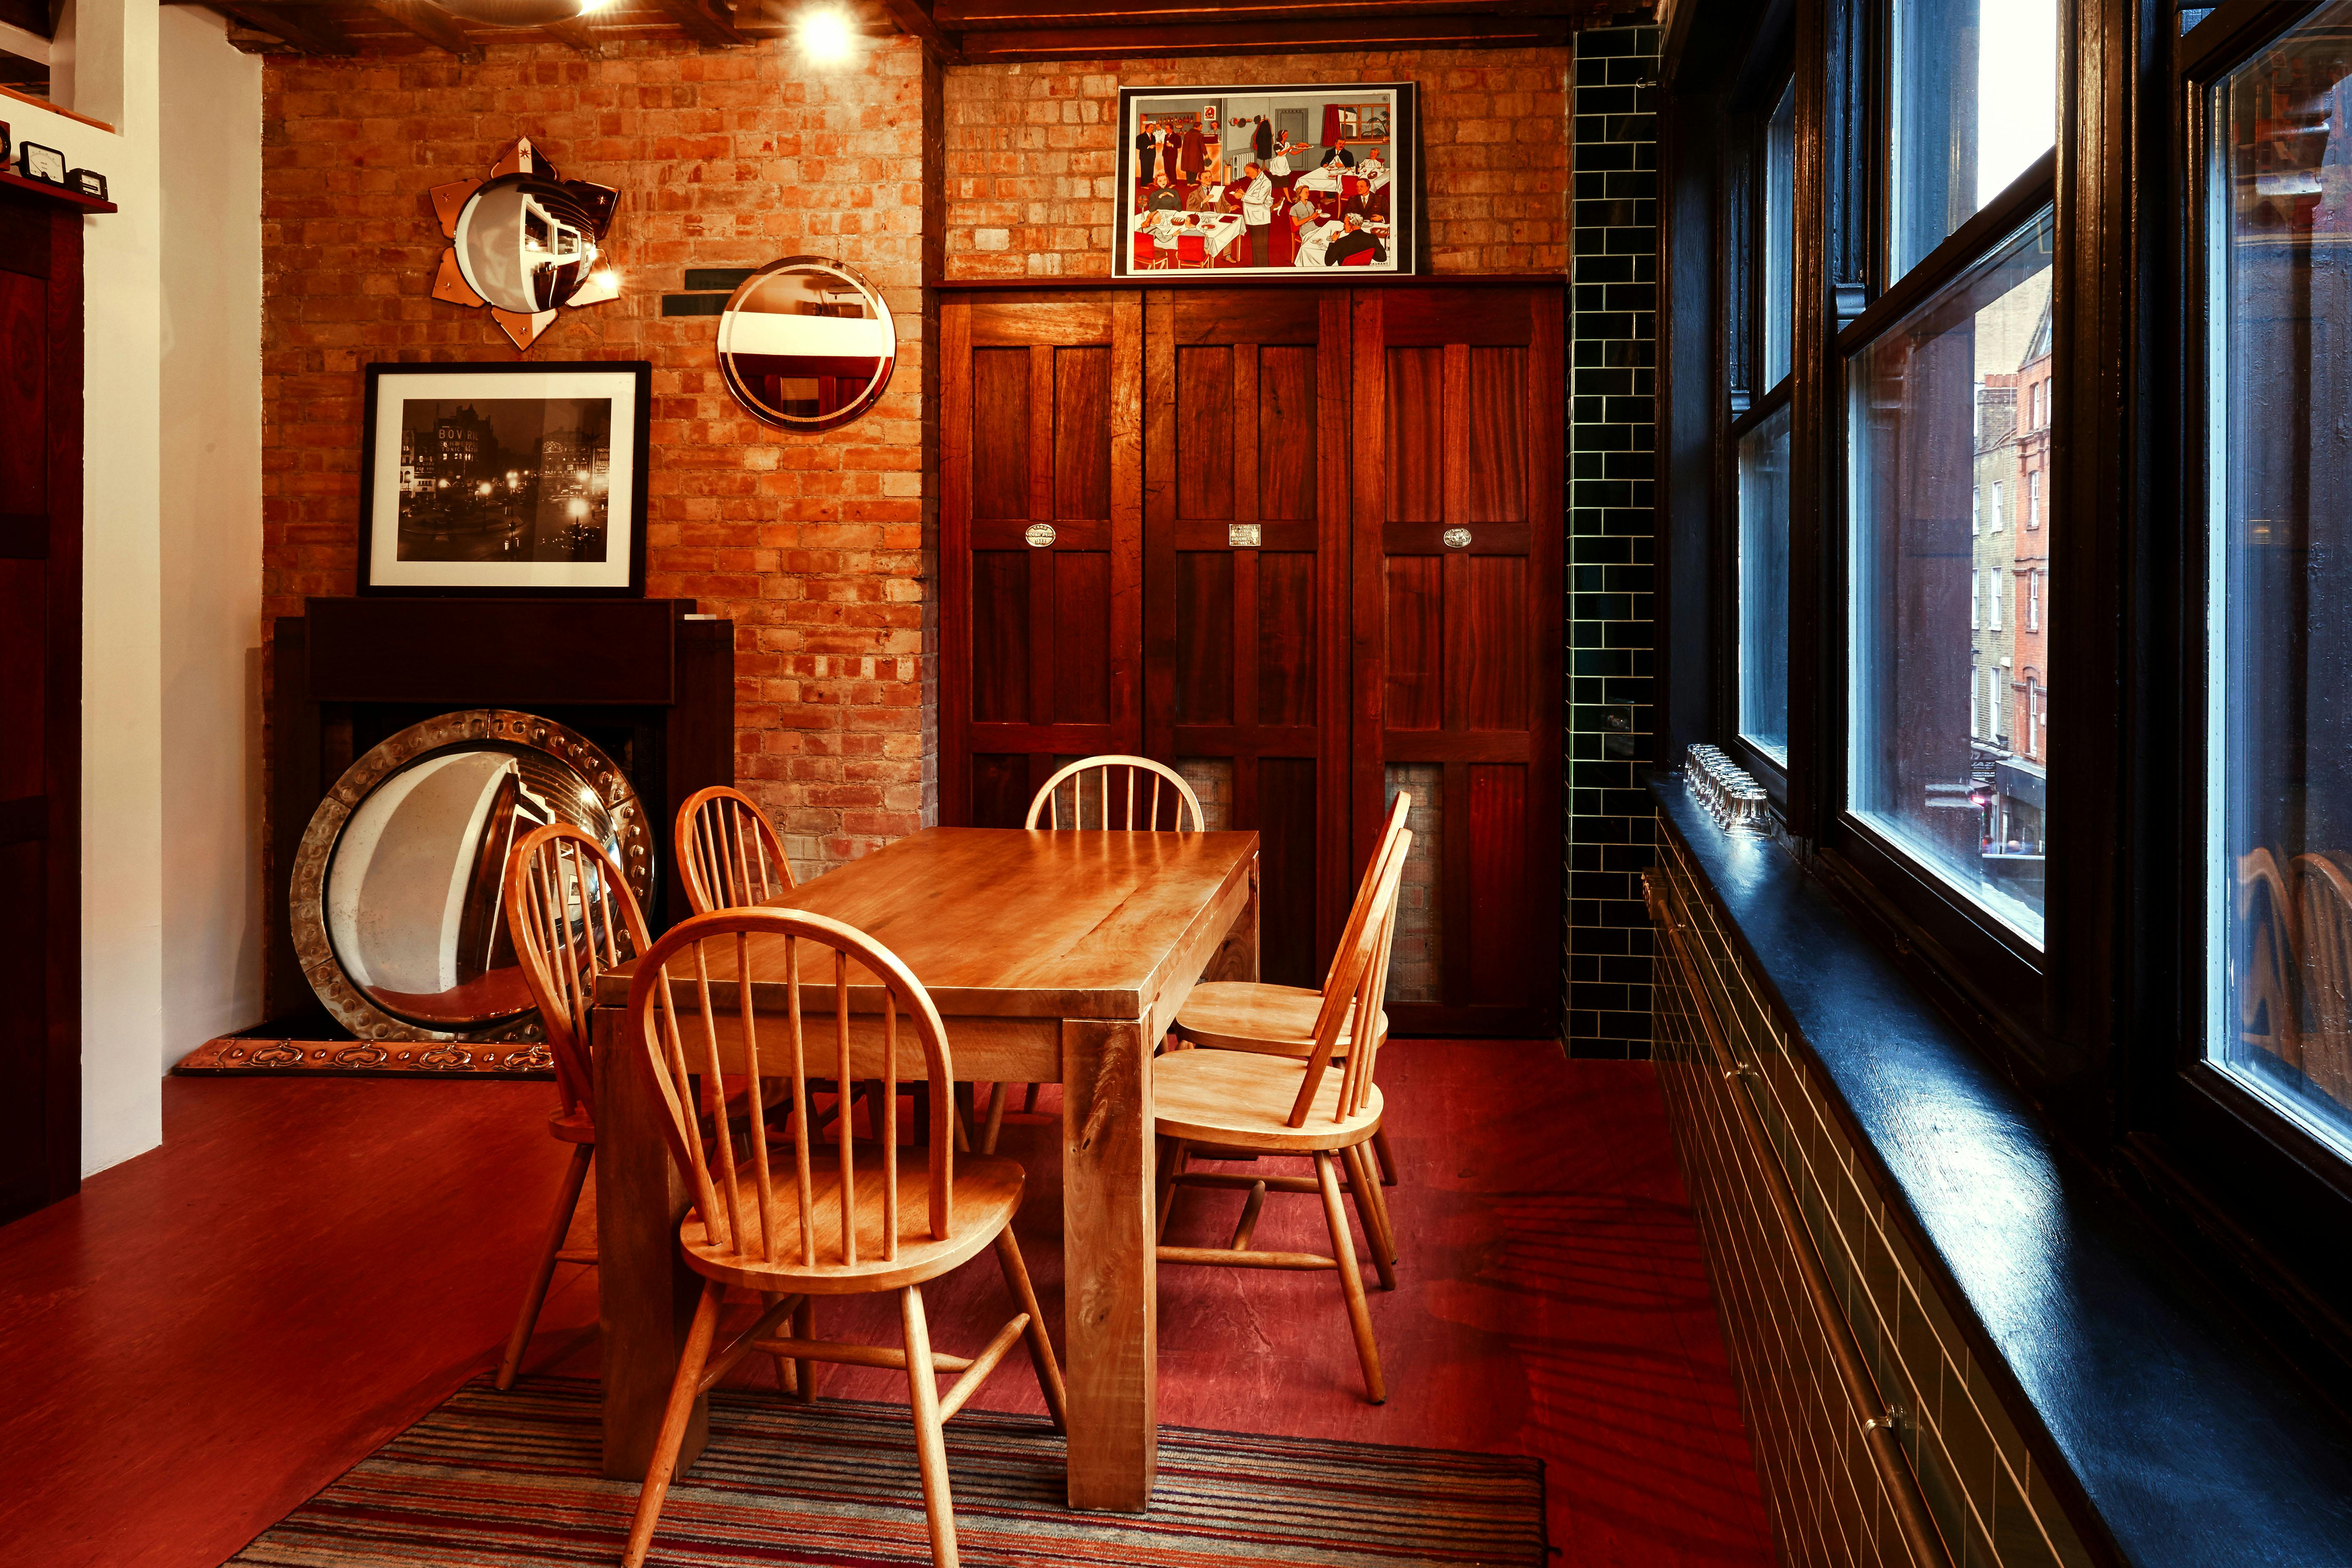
(2323,902)
(728,854)
(776,1215)
(1116,793)
(1279,1020)
(1262,1105)
(572,917)
(2269,1003)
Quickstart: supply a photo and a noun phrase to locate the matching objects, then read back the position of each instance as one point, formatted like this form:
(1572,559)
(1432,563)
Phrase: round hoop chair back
(572,917)
(1118,793)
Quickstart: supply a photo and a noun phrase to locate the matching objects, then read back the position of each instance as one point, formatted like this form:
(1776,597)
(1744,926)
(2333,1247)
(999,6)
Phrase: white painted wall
(145,887)
(211,531)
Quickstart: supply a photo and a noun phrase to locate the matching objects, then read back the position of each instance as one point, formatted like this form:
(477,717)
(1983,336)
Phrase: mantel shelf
(57,194)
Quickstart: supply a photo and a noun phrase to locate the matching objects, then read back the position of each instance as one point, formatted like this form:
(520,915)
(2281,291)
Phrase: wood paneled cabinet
(1304,545)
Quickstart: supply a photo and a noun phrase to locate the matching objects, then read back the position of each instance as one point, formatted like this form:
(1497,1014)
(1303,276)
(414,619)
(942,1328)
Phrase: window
(2279,592)
(2033,498)
(2033,601)
(1764,587)
(1976,593)
(1993,525)
(1976,511)
(1779,206)
(1999,588)
(1976,102)
(1916,390)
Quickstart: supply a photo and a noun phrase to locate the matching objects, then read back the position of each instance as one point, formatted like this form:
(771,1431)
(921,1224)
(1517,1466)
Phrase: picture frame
(1341,196)
(505,480)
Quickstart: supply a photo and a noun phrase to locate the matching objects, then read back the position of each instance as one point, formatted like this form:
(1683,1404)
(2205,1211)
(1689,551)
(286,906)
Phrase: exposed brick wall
(815,546)
(1030,152)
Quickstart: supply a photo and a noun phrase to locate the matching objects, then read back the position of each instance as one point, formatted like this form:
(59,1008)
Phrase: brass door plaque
(1040,535)
(1457,539)
(1242,535)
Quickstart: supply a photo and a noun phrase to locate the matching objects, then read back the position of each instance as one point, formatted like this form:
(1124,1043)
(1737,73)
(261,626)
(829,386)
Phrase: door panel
(1041,543)
(1459,512)
(40,672)
(1245,586)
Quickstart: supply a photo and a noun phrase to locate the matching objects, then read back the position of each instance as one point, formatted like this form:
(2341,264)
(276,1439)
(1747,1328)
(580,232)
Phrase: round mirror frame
(859,406)
(350,1006)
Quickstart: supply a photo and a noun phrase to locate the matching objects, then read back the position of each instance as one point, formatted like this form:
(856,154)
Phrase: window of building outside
(1780,238)
(1764,587)
(1992,523)
(1936,413)
(2279,596)
(1976,100)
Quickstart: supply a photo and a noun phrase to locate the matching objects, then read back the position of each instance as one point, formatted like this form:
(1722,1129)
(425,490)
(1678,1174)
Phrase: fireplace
(647,682)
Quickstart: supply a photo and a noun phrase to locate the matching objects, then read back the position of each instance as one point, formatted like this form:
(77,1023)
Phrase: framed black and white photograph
(1267,182)
(505,478)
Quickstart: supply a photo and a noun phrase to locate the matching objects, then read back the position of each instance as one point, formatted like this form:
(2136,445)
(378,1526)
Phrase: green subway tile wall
(1989,1501)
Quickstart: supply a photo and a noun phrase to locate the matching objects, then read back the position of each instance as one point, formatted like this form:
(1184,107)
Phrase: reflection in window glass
(1954,777)
(1764,587)
(1976,92)
(1780,237)
(2279,744)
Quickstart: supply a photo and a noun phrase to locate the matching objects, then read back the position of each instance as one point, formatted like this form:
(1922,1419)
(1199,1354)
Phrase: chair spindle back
(572,917)
(1360,975)
(1126,793)
(696,1011)
(728,853)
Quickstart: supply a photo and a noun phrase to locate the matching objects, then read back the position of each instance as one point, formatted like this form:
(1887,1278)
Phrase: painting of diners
(1288,181)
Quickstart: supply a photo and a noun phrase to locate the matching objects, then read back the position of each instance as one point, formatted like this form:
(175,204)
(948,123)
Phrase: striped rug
(509,1480)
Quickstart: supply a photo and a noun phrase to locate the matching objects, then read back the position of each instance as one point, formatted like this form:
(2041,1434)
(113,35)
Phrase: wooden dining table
(1053,957)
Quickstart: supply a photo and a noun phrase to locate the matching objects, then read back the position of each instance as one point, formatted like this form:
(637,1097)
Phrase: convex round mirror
(807,344)
(527,242)
(398,914)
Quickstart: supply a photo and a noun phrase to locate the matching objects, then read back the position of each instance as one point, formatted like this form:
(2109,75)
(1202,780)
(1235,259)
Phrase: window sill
(2192,1443)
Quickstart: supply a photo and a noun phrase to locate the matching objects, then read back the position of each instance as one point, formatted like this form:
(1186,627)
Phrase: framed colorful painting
(1266,181)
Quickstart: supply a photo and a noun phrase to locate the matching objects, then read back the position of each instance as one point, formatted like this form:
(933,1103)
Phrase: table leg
(1110,1308)
(645,1295)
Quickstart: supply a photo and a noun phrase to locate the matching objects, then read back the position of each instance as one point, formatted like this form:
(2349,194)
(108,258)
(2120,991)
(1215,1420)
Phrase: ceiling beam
(433,24)
(1408,32)
(704,25)
(305,28)
(576,32)
(915,19)
(993,15)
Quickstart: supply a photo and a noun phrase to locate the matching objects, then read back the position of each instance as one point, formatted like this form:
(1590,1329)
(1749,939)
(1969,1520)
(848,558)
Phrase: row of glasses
(1727,791)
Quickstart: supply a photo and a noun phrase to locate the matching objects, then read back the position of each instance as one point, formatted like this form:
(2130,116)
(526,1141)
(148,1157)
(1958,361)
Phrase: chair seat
(987,1191)
(1238,1100)
(574,1126)
(1250,1015)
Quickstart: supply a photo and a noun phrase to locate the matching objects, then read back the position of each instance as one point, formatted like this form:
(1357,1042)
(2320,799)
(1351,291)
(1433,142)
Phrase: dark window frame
(2104,1028)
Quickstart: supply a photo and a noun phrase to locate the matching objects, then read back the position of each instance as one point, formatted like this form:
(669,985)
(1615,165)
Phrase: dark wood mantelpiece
(41,189)
(654,687)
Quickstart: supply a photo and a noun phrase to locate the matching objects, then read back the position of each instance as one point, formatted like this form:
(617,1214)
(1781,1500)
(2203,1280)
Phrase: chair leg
(559,1225)
(675,1418)
(930,1444)
(1376,1231)
(997,1094)
(804,1372)
(1351,1282)
(1173,1161)
(1029,1102)
(788,1378)
(1388,1159)
(1041,1345)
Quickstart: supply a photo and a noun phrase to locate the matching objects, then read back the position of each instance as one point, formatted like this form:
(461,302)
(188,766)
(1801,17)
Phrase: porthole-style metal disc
(807,344)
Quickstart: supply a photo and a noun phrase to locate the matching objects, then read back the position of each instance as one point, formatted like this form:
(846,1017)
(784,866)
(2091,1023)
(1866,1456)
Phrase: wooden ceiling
(957,31)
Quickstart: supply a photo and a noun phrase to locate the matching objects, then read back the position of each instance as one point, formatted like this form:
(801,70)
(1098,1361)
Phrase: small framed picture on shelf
(504,479)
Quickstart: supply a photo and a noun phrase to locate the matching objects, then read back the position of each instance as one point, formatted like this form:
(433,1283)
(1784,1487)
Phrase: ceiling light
(519,13)
(826,37)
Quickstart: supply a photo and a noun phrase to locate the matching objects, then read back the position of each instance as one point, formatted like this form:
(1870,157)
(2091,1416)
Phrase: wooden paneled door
(40,702)
(1460,517)
(1245,585)
(1041,546)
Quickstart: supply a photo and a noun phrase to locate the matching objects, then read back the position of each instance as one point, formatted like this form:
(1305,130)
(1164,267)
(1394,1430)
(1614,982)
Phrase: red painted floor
(213,1331)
